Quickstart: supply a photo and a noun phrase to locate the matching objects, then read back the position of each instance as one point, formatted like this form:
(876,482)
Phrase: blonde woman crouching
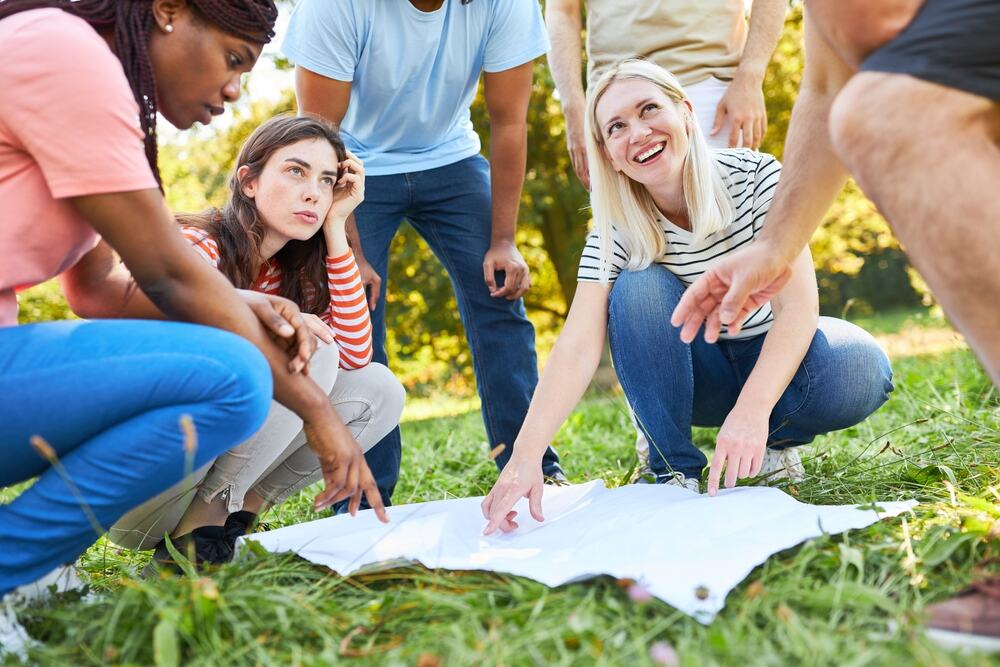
(665,208)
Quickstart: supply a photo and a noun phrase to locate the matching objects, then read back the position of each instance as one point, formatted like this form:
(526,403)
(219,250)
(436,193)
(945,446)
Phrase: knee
(245,392)
(862,375)
(389,392)
(649,292)
(324,365)
(861,120)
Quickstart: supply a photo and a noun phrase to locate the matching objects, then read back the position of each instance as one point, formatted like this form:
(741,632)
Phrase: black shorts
(955,43)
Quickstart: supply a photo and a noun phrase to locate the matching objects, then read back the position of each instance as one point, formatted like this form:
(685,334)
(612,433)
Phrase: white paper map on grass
(689,550)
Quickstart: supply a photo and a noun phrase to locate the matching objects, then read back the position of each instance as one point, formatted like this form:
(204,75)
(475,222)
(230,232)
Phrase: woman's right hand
(520,478)
(345,471)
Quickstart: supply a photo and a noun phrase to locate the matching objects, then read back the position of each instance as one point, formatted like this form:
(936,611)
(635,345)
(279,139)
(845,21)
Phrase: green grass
(828,602)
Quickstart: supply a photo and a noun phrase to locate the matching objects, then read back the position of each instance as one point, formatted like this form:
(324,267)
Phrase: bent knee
(391,395)
(244,388)
(861,116)
(641,291)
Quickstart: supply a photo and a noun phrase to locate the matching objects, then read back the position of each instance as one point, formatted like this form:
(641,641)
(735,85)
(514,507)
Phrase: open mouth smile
(650,153)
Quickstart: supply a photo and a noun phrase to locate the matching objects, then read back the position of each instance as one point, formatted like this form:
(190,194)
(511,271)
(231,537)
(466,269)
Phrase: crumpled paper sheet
(689,550)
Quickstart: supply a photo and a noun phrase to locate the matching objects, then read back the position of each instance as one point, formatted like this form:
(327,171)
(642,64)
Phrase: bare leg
(927,155)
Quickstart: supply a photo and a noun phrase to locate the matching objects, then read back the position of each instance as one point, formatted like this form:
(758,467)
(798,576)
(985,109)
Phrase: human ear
(166,12)
(249,186)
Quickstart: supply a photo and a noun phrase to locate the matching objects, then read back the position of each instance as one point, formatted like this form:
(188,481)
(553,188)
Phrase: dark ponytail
(132,21)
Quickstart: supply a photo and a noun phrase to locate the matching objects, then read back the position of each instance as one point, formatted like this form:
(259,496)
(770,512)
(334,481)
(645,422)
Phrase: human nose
(639,133)
(310,193)
(231,90)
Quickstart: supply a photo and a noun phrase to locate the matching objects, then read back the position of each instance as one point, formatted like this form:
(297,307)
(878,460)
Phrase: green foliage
(858,261)
(855,599)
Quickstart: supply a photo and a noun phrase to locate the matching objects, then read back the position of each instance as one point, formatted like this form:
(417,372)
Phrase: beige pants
(276,462)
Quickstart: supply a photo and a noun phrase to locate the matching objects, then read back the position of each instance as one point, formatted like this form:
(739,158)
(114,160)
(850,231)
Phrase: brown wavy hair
(239,229)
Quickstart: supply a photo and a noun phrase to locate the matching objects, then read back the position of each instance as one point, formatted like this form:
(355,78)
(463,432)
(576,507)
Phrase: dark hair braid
(132,21)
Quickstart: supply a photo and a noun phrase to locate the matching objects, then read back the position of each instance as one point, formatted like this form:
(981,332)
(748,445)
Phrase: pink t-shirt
(69,126)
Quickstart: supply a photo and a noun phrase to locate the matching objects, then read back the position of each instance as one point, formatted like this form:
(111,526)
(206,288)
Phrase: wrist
(501,240)
(750,74)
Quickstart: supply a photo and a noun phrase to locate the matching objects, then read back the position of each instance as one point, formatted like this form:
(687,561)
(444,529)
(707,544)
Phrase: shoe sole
(963,641)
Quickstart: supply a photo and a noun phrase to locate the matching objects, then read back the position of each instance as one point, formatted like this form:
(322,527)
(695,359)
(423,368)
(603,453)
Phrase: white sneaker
(781,464)
(14,640)
(678,479)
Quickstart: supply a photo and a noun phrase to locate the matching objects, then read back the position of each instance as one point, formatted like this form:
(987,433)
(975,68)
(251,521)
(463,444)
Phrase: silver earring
(169,28)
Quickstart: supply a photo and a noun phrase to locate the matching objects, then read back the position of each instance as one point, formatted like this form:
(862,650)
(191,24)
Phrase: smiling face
(294,190)
(197,66)
(644,132)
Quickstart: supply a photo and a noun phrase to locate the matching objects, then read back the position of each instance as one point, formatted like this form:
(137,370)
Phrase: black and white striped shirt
(752,178)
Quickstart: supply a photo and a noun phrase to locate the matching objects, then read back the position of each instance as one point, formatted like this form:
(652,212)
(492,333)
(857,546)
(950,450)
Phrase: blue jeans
(844,377)
(450,207)
(108,397)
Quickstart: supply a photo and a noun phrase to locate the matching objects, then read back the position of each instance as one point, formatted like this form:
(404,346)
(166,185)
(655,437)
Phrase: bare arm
(507,94)
(329,98)
(743,101)
(568,372)
(810,180)
(564,23)
(812,176)
(184,287)
(742,440)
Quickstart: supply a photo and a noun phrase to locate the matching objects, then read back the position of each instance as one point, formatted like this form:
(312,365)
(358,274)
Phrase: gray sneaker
(678,479)
(781,464)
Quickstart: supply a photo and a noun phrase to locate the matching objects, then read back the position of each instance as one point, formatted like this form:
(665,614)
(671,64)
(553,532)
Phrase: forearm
(767,17)
(508,158)
(335,236)
(354,238)
(567,374)
(785,346)
(565,58)
(811,178)
(812,175)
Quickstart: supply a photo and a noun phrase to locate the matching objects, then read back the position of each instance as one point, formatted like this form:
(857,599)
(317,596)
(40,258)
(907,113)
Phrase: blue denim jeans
(108,397)
(844,377)
(450,207)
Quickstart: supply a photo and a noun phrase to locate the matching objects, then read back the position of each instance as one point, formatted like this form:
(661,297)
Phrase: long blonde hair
(616,200)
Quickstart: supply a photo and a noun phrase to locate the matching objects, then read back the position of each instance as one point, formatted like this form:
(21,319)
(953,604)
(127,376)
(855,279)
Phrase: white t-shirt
(751,178)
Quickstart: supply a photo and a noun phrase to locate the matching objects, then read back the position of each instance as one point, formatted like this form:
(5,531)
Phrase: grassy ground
(847,600)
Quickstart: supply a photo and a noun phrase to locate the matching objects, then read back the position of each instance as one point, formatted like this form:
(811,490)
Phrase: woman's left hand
(739,447)
(349,191)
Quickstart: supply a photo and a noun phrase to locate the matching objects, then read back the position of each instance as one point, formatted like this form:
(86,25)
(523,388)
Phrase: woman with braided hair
(95,409)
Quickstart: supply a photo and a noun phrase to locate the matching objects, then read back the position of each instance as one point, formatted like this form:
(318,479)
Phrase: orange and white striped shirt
(347,316)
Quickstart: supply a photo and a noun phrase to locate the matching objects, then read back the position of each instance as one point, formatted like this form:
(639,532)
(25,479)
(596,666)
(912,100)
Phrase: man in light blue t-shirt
(399,76)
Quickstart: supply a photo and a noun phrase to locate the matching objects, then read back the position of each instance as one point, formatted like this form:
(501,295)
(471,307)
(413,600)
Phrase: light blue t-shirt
(414,73)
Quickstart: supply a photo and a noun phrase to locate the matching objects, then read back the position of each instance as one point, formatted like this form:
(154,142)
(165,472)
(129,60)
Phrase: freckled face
(644,132)
(294,191)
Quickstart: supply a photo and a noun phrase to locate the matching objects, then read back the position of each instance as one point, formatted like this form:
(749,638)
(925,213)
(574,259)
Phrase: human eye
(295,171)
(614,127)
(650,106)
(235,61)
(327,181)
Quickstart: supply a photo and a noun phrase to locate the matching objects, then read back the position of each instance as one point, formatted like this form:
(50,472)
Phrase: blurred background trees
(860,265)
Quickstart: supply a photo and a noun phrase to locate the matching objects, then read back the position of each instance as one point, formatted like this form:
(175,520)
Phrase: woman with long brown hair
(281,232)
(94,409)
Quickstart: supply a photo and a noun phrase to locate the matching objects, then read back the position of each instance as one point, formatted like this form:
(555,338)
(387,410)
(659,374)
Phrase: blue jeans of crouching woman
(108,398)
(844,377)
